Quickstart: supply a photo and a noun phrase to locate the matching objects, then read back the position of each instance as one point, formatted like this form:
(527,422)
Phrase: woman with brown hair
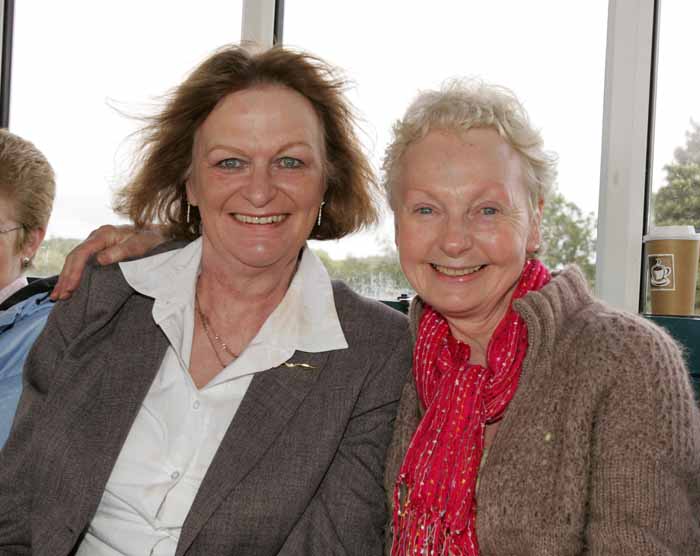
(221,396)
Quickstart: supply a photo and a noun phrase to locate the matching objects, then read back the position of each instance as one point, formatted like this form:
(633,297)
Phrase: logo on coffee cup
(662,272)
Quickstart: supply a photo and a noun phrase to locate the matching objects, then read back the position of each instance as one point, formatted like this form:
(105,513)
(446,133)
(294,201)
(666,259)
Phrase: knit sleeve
(644,494)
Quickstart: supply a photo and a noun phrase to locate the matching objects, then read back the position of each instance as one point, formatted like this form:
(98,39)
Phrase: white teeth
(259,219)
(457,271)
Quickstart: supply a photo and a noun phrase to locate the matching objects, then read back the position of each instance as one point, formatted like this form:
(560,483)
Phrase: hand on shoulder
(109,244)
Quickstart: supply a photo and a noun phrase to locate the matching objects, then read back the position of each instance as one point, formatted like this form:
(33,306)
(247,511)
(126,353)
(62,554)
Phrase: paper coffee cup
(671,267)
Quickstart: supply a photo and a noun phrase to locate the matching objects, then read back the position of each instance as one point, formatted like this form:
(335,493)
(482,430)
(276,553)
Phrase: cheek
(9,260)
(409,241)
(506,241)
(501,250)
(414,248)
(306,187)
(8,247)
(312,201)
(413,271)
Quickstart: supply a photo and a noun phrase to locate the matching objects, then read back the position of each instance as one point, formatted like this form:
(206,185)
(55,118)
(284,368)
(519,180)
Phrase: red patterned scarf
(434,498)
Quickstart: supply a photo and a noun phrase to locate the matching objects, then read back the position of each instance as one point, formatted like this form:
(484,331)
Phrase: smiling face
(257,178)
(462,223)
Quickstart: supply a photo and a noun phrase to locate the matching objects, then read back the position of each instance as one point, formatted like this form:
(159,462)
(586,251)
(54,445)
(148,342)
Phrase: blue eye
(489,211)
(230,163)
(424,210)
(290,162)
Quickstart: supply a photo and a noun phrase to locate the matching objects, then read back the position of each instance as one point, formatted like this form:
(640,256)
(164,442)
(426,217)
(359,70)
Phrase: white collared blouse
(179,427)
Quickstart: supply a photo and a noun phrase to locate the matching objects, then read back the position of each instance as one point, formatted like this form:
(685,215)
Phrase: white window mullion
(628,74)
(258,22)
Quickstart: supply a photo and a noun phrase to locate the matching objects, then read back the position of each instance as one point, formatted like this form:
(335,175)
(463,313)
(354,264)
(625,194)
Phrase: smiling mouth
(247,219)
(449,271)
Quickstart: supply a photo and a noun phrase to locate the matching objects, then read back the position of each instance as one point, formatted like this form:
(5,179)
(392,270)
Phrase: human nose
(260,188)
(456,237)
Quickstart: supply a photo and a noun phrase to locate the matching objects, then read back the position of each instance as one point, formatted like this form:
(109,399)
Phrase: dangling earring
(188,211)
(320,212)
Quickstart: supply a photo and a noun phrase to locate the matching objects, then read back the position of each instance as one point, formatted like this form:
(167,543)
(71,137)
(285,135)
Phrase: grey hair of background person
(460,105)
(28,182)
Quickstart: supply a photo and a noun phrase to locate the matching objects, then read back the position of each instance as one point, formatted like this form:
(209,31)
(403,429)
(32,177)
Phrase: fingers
(111,244)
(100,239)
(135,244)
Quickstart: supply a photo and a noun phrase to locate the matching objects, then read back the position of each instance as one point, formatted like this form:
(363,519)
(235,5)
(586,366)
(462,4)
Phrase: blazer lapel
(271,400)
(135,356)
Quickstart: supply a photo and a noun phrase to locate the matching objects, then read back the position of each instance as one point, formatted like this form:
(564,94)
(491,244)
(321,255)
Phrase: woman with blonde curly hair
(539,420)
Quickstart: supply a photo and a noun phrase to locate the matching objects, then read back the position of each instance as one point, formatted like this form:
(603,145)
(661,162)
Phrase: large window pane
(676,163)
(552,54)
(79,67)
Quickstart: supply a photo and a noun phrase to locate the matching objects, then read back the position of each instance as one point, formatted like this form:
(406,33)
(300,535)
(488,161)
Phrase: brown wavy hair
(156,192)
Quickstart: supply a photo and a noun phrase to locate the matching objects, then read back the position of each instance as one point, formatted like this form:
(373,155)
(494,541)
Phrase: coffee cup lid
(671,232)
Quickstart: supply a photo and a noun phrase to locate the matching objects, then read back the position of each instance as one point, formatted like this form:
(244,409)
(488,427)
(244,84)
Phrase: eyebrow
(283,147)
(485,190)
(295,144)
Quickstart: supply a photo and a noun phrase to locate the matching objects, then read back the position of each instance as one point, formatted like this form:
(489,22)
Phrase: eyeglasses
(11,229)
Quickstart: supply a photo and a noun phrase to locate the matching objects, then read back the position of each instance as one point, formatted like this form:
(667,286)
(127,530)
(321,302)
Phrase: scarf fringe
(428,535)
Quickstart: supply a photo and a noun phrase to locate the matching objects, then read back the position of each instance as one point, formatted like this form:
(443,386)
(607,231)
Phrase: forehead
(273,114)
(479,153)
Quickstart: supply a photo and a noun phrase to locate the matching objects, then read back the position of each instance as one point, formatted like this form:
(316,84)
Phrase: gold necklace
(209,332)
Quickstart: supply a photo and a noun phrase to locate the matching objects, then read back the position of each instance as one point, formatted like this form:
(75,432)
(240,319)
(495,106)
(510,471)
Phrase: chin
(453,308)
(461,297)
(262,258)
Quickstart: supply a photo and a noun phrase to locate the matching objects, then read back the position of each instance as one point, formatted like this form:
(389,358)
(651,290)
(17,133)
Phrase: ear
(188,178)
(32,242)
(534,237)
(396,228)
(191,191)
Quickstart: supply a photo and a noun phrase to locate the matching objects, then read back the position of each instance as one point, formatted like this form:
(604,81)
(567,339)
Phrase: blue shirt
(19,327)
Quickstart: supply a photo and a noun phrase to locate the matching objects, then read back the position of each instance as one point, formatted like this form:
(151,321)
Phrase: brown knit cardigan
(599,450)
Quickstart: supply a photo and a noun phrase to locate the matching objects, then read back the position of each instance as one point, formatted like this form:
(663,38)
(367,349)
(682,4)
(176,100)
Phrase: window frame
(259,22)
(628,119)
(7,11)
(625,174)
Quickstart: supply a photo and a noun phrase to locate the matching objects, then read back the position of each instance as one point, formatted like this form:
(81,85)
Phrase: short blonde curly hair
(461,105)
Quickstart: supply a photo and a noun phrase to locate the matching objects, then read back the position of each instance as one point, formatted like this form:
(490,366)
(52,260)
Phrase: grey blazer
(299,471)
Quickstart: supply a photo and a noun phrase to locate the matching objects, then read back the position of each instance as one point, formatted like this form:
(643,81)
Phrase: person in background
(220,396)
(539,419)
(27,189)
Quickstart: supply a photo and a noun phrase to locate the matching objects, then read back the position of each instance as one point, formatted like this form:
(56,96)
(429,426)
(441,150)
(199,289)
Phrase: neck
(245,293)
(11,287)
(239,300)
